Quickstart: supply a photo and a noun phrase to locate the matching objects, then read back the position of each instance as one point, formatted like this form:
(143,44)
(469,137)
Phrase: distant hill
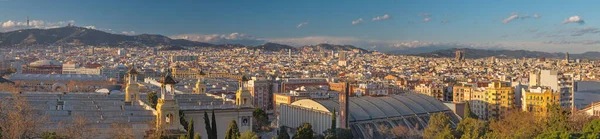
(273,47)
(481,53)
(84,36)
(329,47)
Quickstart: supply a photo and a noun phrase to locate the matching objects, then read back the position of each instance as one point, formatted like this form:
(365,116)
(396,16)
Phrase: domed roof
(45,63)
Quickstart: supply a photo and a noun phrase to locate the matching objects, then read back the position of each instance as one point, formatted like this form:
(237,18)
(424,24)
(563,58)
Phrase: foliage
(468,113)
(50,135)
(182,120)
(283,134)
(260,117)
(214,126)
(190,130)
(232,131)
(592,127)
(588,135)
(333,121)
(471,128)
(249,135)
(18,119)
(152,99)
(304,132)
(197,136)
(330,136)
(516,124)
(121,131)
(578,121)
(207,126)
(318,136)
(439,127)
(402,132)
(555,135)
(557,120)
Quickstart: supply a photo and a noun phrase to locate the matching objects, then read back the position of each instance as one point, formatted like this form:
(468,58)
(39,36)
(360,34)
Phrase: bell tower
(132,86)
(201,84)
(167,109)
(243,96)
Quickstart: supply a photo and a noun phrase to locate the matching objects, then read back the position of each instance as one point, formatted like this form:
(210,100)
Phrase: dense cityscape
(61,80)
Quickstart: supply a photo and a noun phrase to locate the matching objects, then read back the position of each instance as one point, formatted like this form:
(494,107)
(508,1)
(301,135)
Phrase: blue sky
(423,23)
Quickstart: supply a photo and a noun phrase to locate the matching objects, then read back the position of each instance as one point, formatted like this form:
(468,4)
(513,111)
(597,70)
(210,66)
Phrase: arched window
(169,118)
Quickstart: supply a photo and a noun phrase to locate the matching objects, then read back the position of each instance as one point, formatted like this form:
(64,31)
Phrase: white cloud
(511,18)
(424,14)
(537,16)
(583,31)
(384,17)
(426,19)
(15,25)
(525,16)
(580,42)
(233,38)
(358,21)
(90,27)
(574,19)
(301,24)
(128,32)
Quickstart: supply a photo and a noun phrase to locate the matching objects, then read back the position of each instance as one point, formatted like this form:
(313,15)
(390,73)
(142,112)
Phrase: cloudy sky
(545,25)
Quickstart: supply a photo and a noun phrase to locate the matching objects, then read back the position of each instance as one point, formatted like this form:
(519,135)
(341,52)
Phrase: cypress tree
(233,132)
(283,134)
(207,126)
(468,113)
(190,133)
(214,125)
(333,122)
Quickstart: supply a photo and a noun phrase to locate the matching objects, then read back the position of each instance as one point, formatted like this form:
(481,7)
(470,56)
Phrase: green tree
(471,128)
(232,131)
(181,137)
(214,126)
(342,133)
(588,135)
(333,122)
(283,134)
(249,135)
(261,118)
(554,135)
(592,127)
(558,120)
(49,135)
(152,99)
(190,133)
(468,113)
(197,136)
(330,136)
(304,132)
(182,120)
(439,127)
(516,125)
(207,126)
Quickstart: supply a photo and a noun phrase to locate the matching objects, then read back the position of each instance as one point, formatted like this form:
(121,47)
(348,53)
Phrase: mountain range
(73,35)
(482,53)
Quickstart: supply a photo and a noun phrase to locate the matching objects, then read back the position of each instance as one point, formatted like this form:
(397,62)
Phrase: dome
(409,110)
(45,63)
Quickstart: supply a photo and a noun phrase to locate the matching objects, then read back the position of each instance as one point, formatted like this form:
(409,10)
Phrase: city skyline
(384,25)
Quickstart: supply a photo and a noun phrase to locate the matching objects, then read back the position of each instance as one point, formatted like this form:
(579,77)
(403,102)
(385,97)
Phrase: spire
(132,70)
(168,79)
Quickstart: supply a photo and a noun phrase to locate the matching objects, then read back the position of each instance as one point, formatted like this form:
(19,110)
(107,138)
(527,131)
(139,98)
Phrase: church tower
(167,109)
(132,86)
(243,96)
(201,84)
